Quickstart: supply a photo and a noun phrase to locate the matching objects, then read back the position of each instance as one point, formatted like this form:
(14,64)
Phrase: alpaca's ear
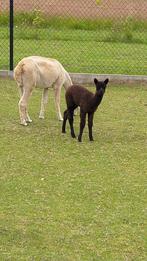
(95,81)
(106,81)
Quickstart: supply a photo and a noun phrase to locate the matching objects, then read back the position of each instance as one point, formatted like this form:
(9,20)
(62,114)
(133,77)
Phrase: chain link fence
(86,36)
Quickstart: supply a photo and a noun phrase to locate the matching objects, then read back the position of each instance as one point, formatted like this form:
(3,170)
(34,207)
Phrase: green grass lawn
(61,200)
(102,52)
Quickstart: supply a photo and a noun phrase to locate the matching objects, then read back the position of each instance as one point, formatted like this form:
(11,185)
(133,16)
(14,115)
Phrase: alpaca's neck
(97,98)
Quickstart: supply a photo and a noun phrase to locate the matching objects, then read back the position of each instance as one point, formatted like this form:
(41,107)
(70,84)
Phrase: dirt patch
(83,8)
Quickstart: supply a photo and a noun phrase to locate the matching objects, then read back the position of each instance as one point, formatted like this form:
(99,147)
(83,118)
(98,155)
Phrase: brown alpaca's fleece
(88,102)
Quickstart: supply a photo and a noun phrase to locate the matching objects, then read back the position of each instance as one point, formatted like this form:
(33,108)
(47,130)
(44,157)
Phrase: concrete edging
(6,74)
(87,78)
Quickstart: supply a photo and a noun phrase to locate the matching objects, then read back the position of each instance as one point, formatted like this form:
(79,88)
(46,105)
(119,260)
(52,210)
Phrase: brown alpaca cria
(87,101)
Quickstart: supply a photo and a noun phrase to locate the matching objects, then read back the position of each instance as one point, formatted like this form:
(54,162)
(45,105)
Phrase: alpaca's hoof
(73,135)
(41,117)
(61,119)
(63,131)
(29,120)
(79,139)
(24,123)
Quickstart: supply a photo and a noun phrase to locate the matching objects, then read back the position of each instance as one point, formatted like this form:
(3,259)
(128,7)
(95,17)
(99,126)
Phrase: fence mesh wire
(90,36)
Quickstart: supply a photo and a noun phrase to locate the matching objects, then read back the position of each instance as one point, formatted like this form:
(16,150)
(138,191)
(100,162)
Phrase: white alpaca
(43,72)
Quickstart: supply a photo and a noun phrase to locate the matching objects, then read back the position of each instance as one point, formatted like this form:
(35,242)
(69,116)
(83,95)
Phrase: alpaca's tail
(18,71)
(68,81)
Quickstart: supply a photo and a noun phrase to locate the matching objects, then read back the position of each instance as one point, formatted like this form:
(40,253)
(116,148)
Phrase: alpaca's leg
(23,107)
(82,125)
(44,102)
(90,124)
(64,121)
(70,118)
(28,119)
(57,89)
(20,88)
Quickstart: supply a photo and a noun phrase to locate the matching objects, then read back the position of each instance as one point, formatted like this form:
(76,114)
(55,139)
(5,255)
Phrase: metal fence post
(11,36)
